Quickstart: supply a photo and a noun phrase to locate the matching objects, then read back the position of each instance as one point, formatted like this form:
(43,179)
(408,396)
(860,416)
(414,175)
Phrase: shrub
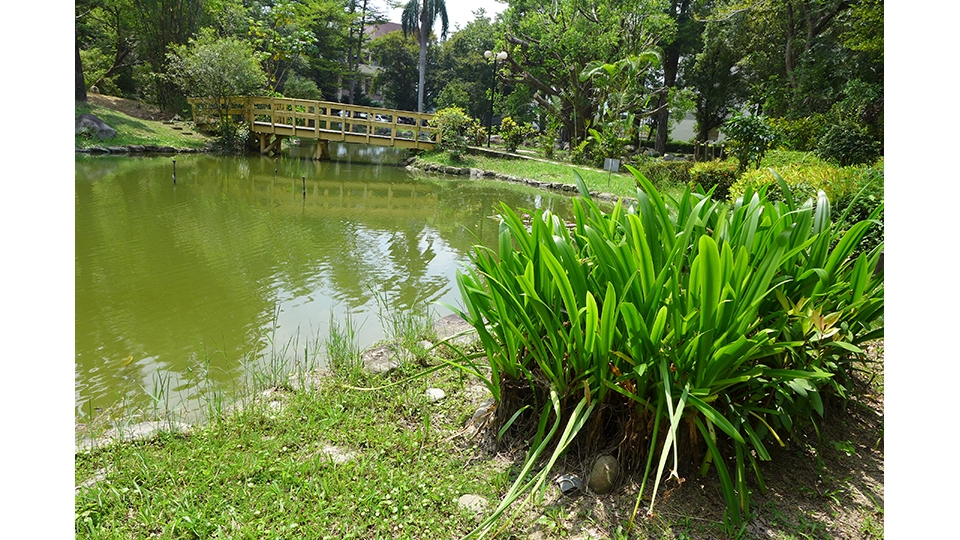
(478,133)
(804,181)
(748,139)
(513,133)
(716,175)
(580,154)
(453,125)
(799,134)
(684,324)
(298,87)
(662,172)
(847,144)
(866,202)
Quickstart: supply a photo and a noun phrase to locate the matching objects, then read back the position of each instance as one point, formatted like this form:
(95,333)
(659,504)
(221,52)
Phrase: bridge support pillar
(270,147)
(322,151)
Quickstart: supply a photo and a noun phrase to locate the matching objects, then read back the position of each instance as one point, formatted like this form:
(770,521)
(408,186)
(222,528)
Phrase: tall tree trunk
(423,59)
(671,62)
(80,90)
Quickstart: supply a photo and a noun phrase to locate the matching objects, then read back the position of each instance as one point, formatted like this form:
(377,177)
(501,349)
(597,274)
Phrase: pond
(181,283)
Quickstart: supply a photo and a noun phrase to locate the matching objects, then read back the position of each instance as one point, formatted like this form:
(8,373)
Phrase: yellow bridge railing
(274,119)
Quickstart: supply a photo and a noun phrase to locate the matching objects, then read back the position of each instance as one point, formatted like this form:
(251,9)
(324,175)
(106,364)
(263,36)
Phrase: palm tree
(418,17)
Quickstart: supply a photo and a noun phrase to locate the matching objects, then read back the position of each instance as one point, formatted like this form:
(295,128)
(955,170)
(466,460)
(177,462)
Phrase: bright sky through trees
(460,13)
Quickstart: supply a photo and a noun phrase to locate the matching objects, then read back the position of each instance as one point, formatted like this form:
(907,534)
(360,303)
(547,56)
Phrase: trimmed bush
(804,181)
(716,175)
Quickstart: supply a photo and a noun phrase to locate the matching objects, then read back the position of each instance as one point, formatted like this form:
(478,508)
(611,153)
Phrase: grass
(263,471)
(622,184)
(132,130)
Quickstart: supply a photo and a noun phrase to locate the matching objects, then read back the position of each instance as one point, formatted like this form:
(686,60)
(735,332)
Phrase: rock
(135,147)
(472,503)
(338,455)
(90,124)
(98,476)
(167,150)
(118,149)
(133,432)
(97,150)
(452,325)
(435,394)
(476,173)
(382,359)
(482,415)
(603,475)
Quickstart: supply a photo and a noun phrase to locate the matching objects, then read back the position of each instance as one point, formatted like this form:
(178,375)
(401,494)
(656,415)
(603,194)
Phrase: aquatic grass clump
(679,326)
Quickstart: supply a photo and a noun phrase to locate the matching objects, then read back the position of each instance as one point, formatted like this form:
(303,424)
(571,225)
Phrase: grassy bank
(622,184)
(358,455)
(138,131)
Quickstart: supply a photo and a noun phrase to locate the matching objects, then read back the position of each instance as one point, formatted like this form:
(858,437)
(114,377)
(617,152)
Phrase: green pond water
(182,286)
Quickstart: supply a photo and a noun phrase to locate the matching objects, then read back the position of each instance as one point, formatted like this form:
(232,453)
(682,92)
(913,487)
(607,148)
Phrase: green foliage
(748,139)
(478,132)
(513,133)
(866,203)
(454,126)
(848,144)
(662,172)
(95,66)
(300,87)
(216,68)
(608,142)
(804,181)
(398,57)
(547,140)
(580,153)
(801,134)
(454,94)
(716,175)
(688,322)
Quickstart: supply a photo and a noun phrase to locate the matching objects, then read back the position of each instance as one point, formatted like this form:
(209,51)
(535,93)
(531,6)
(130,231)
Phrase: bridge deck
(275,118)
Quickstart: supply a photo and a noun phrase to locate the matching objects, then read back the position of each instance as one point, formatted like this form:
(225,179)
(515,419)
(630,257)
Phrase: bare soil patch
(136,109)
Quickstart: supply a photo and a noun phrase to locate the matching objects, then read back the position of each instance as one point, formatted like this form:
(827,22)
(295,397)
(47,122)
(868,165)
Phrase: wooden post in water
(174,171)
(304,180)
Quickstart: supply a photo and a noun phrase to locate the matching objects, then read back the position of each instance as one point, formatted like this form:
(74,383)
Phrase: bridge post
(323,150)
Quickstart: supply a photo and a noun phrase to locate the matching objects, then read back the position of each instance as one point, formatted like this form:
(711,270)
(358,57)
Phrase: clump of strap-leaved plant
(669,331)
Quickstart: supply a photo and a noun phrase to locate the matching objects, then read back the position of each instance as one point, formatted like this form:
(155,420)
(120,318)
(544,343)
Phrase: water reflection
(245,254)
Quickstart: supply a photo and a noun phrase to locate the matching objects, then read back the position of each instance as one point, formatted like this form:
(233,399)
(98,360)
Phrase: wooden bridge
(274,119)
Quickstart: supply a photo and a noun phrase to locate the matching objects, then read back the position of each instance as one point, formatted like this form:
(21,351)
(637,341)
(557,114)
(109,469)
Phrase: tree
(716,81)
(215,69)
(417,18)
(160,24)
(464,76)
(551,44)
(397,57)
(80,89)
(685,41)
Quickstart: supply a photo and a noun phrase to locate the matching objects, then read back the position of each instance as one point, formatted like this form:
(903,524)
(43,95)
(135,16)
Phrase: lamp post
(500,56)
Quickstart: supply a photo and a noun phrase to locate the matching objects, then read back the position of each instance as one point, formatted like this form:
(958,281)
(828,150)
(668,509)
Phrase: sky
(458,12)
